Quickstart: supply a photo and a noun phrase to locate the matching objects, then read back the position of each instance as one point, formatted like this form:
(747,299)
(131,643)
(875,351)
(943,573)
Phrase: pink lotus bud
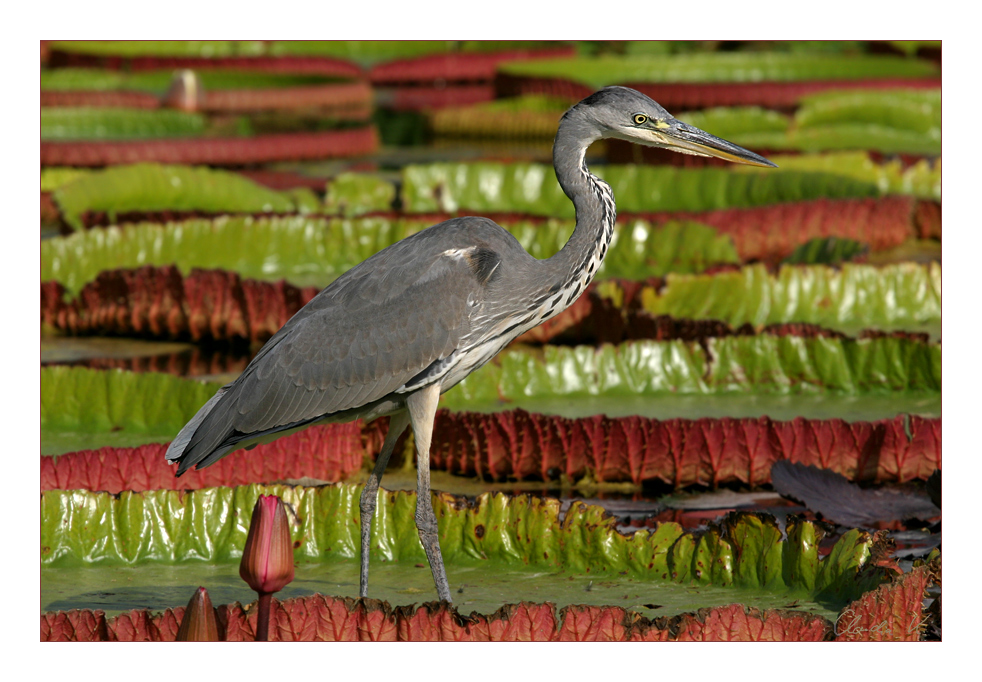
(185,92)
(199,623)
(267,560)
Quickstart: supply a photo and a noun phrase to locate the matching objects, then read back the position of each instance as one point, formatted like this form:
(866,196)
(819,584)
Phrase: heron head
(627,114)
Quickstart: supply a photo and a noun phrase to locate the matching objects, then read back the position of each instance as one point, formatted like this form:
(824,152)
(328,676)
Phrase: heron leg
(422,410)
(369,496)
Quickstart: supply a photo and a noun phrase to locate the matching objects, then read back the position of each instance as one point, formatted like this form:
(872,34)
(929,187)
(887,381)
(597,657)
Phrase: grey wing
(376,329)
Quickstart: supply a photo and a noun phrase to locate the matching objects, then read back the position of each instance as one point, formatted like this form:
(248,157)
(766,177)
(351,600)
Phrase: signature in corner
(853,627)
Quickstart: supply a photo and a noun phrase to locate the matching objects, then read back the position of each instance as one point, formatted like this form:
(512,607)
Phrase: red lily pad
(159,302)
(326,453)
(682,452)
(518,445)
(457,66)
(217,151)
(332,619)
(892,612)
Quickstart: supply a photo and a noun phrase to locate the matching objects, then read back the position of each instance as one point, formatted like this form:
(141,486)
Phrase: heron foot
(369,496)
(422,409)
(430,539)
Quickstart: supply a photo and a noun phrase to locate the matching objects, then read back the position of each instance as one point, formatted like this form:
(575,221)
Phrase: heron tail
(186,457)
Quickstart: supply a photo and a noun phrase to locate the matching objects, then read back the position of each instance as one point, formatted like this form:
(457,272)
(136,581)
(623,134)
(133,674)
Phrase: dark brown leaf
(834,497)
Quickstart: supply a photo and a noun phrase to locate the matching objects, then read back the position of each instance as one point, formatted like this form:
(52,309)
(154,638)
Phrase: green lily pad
(862,407)
(525,117)
(917,111)
(910,47)
(95,400)
(531,188)
(76,400)
(889,121)
(314,251)
(162,48)
(921,180)
(352,194)
(56,440)
(364,52)
(761,364)
(851,298)
(840,136)
(827,251)
(54,177)
(596,72)
(93,123)
(158,81)
(731,122)
(537,103)
(118,589)
(155,187)
(523,534)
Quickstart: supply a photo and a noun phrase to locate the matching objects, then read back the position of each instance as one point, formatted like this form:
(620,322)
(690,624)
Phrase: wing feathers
(374,329)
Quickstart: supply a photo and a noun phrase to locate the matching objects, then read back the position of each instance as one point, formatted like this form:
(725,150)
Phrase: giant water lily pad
(365,51)
(314,251)
(597,72)
(152,187)
(750,375)
(57,439)
(912,110)
(828,251)
(892,612)
(324,618)
(889,121)
(921,180)
(220,305)
(83,408)
(531,188)
(162,48)
(848,299)
(92,123)
(158,81)
(751,127)
(475,588)
(517,446)
(752,364)
(80,406)
(529,117)
(859,407)
(525,536)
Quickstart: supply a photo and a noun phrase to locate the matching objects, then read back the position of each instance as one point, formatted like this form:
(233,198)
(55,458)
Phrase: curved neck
(577,262)
(551,285)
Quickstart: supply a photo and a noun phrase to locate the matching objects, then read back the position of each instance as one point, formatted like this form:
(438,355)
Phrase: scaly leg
(422,410)
(369,496)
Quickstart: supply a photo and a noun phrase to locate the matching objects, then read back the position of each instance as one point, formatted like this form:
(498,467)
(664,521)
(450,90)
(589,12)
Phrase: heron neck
(577,262)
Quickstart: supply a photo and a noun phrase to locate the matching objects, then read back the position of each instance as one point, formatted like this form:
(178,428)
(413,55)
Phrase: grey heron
(392,334)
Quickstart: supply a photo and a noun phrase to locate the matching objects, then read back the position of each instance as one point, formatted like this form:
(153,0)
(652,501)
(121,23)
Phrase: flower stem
(262,617)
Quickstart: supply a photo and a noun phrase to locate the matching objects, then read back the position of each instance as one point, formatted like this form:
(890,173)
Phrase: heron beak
(681,137)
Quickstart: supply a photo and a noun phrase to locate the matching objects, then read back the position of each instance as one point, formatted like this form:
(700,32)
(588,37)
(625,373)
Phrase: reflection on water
(215,363)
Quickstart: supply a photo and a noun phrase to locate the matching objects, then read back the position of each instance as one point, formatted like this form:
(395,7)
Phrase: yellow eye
(640,119)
